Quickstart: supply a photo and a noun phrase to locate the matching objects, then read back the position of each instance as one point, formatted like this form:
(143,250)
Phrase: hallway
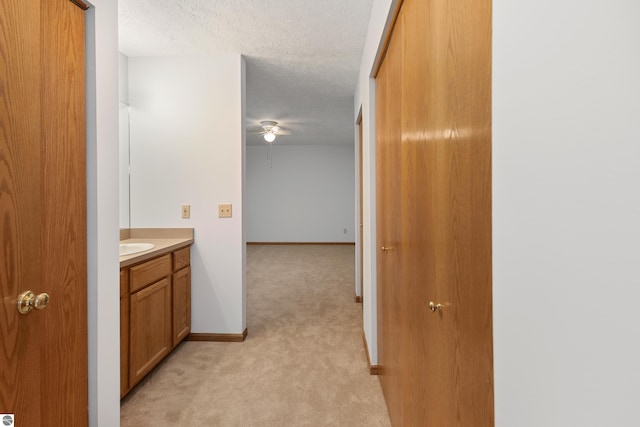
(302,364)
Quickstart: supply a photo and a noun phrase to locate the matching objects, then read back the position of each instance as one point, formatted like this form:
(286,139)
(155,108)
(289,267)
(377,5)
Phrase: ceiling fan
(270,130)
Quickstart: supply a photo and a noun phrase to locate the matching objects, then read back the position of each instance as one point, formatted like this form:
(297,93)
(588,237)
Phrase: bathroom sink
(134,248)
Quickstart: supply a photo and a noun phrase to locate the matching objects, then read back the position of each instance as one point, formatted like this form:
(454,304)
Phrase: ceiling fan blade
(256,131)
(283,132)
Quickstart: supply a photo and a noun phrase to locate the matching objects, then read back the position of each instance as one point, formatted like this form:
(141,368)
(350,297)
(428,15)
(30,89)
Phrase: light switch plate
(224,210)
(186,211)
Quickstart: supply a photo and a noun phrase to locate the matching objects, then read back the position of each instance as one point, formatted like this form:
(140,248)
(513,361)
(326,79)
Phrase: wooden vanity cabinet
(155,313)
(124,332)
(181,295)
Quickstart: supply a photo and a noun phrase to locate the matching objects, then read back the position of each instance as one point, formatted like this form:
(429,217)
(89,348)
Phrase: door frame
(360,222)
(103,265)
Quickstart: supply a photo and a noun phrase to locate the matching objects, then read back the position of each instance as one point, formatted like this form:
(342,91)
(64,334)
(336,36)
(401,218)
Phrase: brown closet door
(43,353)
(391,290)
(434,135)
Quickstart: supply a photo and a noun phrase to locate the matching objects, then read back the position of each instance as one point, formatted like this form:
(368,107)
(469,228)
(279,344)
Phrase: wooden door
(391,292)
(434,133)
(43,353)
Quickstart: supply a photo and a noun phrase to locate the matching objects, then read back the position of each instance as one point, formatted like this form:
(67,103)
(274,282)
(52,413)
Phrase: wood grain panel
(20,204)
(146,273)
(441,363)
(181,258)
(150,329)
(43,212)
(453,117)
(391,292)
(428,349)
(181,304)
(218,337)
(124,346)
(63,215)
(124,282)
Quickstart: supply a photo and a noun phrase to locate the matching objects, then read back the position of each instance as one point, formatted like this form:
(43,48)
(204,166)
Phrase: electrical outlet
(186,211)
(344,231)
(224,210)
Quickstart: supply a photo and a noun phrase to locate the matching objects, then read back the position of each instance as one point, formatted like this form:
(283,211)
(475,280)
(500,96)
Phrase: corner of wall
(102,215)
(243,85)
(379,23)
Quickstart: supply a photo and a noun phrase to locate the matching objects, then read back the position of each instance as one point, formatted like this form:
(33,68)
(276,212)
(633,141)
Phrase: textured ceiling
(302,56)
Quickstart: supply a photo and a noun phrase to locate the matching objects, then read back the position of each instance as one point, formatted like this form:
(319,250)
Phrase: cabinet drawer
(149,272)
(124,283)
(181,258)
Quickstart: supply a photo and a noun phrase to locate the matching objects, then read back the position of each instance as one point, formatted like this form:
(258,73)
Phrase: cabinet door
(181,304)
(150,328)
(124,332)
(124,346)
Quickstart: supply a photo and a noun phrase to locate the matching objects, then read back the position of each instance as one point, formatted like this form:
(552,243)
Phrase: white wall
(103,295)
(123,165)
(123,78)
(365,98)
(566,167)
(566,210)
(302,194)
(187,142)
(123,81)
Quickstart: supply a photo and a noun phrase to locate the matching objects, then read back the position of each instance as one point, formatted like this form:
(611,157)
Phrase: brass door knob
(25,302)
(42,301)
(385,248)
(434,307)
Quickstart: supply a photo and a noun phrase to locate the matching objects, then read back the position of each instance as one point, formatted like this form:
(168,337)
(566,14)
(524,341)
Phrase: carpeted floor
(302,364)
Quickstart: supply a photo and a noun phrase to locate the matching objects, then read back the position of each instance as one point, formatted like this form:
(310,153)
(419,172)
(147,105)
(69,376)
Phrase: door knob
(42,301)
(385,248)
(27,301)
(434,307)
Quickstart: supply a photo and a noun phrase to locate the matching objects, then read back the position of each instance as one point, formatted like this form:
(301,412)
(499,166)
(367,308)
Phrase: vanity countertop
(166,240)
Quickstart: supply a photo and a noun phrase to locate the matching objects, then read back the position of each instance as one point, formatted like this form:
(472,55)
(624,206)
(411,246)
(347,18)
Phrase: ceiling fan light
(269,137)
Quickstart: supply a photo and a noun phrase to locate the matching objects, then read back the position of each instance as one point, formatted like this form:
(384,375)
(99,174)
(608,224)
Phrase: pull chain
(270,156)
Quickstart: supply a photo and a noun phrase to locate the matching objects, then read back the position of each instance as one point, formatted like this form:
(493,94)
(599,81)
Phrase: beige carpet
(303,363)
